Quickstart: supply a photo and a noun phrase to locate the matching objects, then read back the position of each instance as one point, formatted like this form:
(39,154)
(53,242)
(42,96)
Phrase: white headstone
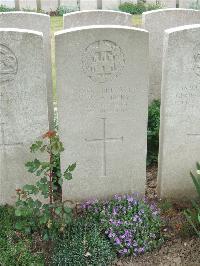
(28,4)
(8,3)
(36,22)
(97,17)
(180,112)
(48,6)
(102,82)
(168,3)
(110,4)
(88,5)
(156,22)
(69,3)
(186,3)
(23,105)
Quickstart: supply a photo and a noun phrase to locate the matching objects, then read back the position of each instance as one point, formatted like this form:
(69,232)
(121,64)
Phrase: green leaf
(18,212)
(44,219)
(58,210)
(18,226)
(27,230)
(67,210)
(46,237)
(67,175)
(196,183)
(33,166)
(31,189)
(60,181)
(71,167)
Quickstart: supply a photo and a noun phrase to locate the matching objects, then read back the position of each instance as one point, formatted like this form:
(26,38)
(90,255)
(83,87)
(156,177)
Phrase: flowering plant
(48,216)
(132,224)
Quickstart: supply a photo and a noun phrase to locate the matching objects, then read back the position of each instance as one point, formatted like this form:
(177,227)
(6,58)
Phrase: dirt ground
(178,249)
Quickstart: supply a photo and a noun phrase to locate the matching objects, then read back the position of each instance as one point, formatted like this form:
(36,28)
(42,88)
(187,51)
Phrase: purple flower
(115,211)
(130,198)
(141,250)
(135,217)
(117,241)
(134,244)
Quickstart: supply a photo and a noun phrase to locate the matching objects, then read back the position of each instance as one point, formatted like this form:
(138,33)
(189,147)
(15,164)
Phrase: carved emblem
(8,64)
(103,60)
(197,60)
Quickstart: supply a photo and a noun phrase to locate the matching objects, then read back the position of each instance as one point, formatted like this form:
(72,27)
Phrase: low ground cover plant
(61,10)
(193,215)
(83,244)
(153,132)
(132,225)
(138,8)
(4,8)
(15,249)
(103,230)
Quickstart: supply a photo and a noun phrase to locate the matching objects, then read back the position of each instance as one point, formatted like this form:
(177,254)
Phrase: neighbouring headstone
(168,3)
(186,4)
(96,17)
(102,83)
(23,105)
(156,22)
(36,22)
(88,4)
(8,3)
(180,112)
(28,4)
(110,4)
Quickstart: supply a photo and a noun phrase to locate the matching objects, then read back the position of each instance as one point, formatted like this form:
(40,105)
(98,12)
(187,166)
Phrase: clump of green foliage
(138,8)
(153,132)
(15,249)
(4,8)
(132,225)
(49,217)
(195,5)
(83,244)
(193,216)
(61,10)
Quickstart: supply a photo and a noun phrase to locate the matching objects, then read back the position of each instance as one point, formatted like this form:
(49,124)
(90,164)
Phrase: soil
(175,252)
(179,247)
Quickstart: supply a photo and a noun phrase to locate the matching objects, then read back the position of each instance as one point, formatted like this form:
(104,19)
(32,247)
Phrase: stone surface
(102,106)
(23,105)
(156,22)
(97,17)
(28,4)
(8,3)
(180,113)
(88,5)
(36,22)
(185,3)
(168,3)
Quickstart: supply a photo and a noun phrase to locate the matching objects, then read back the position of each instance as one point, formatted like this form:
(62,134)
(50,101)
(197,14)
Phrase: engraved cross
(105,140)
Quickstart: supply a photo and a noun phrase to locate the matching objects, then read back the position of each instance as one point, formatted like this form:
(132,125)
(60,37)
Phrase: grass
(56,25)
(137,20)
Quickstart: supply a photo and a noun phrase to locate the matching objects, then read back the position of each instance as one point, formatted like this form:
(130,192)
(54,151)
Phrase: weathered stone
(180,113)
(36,22)
(88,4)
(102,82)
(156,22)
(97,17)
(23,105)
